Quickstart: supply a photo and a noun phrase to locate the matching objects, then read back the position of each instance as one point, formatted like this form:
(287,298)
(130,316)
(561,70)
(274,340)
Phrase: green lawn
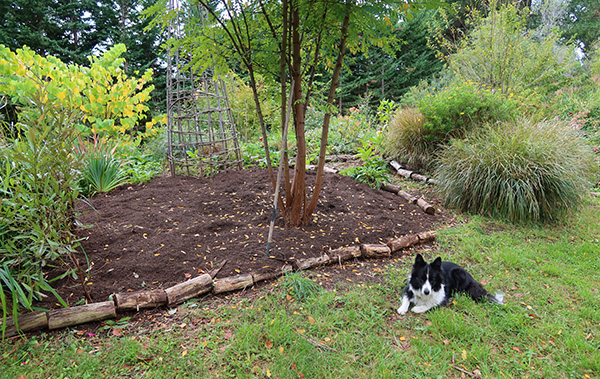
(550,327)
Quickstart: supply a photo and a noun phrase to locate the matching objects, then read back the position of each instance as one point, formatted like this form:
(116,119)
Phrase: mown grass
(549,328)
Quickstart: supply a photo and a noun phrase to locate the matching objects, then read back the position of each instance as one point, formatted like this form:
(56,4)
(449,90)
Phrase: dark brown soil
(170,229)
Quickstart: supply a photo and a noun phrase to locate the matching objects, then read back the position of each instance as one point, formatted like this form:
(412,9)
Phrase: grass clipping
(519,171)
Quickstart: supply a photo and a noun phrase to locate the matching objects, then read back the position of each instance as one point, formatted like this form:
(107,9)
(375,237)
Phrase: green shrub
(461,107)
(373,171)
(103,173)
(346,132)
(405,139)
(37,196)
(519,171)
(502,54)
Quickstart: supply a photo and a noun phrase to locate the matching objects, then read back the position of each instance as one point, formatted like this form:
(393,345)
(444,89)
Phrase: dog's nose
(426,292)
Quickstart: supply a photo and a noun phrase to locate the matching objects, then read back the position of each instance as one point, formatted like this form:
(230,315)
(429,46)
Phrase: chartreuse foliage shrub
(461,107)
(58,106)
(519,171)
(101,98)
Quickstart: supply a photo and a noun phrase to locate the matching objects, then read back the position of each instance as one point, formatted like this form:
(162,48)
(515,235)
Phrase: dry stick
(214,272)
(81,276)
(280,169)
(463,371)
(317,344)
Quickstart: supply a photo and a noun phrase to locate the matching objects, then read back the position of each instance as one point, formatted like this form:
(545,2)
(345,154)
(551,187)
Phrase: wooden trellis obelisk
(200,128)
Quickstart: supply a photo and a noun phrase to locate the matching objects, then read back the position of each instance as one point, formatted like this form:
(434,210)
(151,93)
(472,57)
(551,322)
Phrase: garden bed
(172,229)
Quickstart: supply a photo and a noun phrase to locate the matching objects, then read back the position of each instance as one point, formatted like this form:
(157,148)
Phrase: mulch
(173,228)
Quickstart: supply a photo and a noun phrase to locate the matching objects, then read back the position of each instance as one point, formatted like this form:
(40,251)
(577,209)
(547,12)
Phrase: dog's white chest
(423,302)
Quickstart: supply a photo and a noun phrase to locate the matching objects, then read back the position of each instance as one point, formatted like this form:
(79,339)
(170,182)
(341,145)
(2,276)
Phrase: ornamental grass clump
(518,171)
(405,138)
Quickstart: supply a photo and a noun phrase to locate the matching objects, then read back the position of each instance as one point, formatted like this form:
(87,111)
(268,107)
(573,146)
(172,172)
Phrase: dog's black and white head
(425,286)
(426,278)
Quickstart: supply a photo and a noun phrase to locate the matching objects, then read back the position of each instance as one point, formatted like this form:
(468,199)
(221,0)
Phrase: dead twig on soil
(214,272)
(317,344)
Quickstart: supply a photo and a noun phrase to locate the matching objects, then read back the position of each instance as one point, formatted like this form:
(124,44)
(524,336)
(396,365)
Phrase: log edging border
(200,285)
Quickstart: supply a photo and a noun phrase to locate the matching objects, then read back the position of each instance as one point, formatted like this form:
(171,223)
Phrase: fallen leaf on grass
(516,349)
(311,320)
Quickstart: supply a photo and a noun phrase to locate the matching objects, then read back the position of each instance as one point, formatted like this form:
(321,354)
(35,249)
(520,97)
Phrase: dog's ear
(419,261)
(437,262)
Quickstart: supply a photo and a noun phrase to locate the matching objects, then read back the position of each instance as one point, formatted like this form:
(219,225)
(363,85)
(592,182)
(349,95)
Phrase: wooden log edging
(201,285)
(420,202)
(411,174)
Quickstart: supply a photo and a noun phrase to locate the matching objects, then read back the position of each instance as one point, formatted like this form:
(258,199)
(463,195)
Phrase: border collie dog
(432,285)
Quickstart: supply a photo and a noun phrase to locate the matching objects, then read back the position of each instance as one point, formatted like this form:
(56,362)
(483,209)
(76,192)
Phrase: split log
(61,318)
(309,263)
(419,177)
(391,188)
(270,274)
(375,250)
(340,157)
(398,244)
(397,166)
(189,289)
(427,236)
(233,283)
(344,253)
(404,173)
(27,322)
(425,206)
(140,300)
(407,196)
(265,275)
(325,169)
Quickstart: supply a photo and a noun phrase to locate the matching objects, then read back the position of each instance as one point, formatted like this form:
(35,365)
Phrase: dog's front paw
(402,310)
(420,309)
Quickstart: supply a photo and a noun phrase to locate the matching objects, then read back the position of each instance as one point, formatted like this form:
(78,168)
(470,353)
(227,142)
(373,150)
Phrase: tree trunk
(298,191)
(330,99)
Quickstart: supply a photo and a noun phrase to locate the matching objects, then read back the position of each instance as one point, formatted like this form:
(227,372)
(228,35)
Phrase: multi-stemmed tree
(291,40)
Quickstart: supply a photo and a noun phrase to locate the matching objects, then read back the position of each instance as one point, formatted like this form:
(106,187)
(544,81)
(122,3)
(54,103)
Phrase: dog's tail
(497,298)
(479,293)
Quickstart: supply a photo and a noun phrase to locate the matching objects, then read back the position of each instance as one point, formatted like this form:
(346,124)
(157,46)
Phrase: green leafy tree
(289,40)
(582,22)
(64,29)
(389,76)
(502,54)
